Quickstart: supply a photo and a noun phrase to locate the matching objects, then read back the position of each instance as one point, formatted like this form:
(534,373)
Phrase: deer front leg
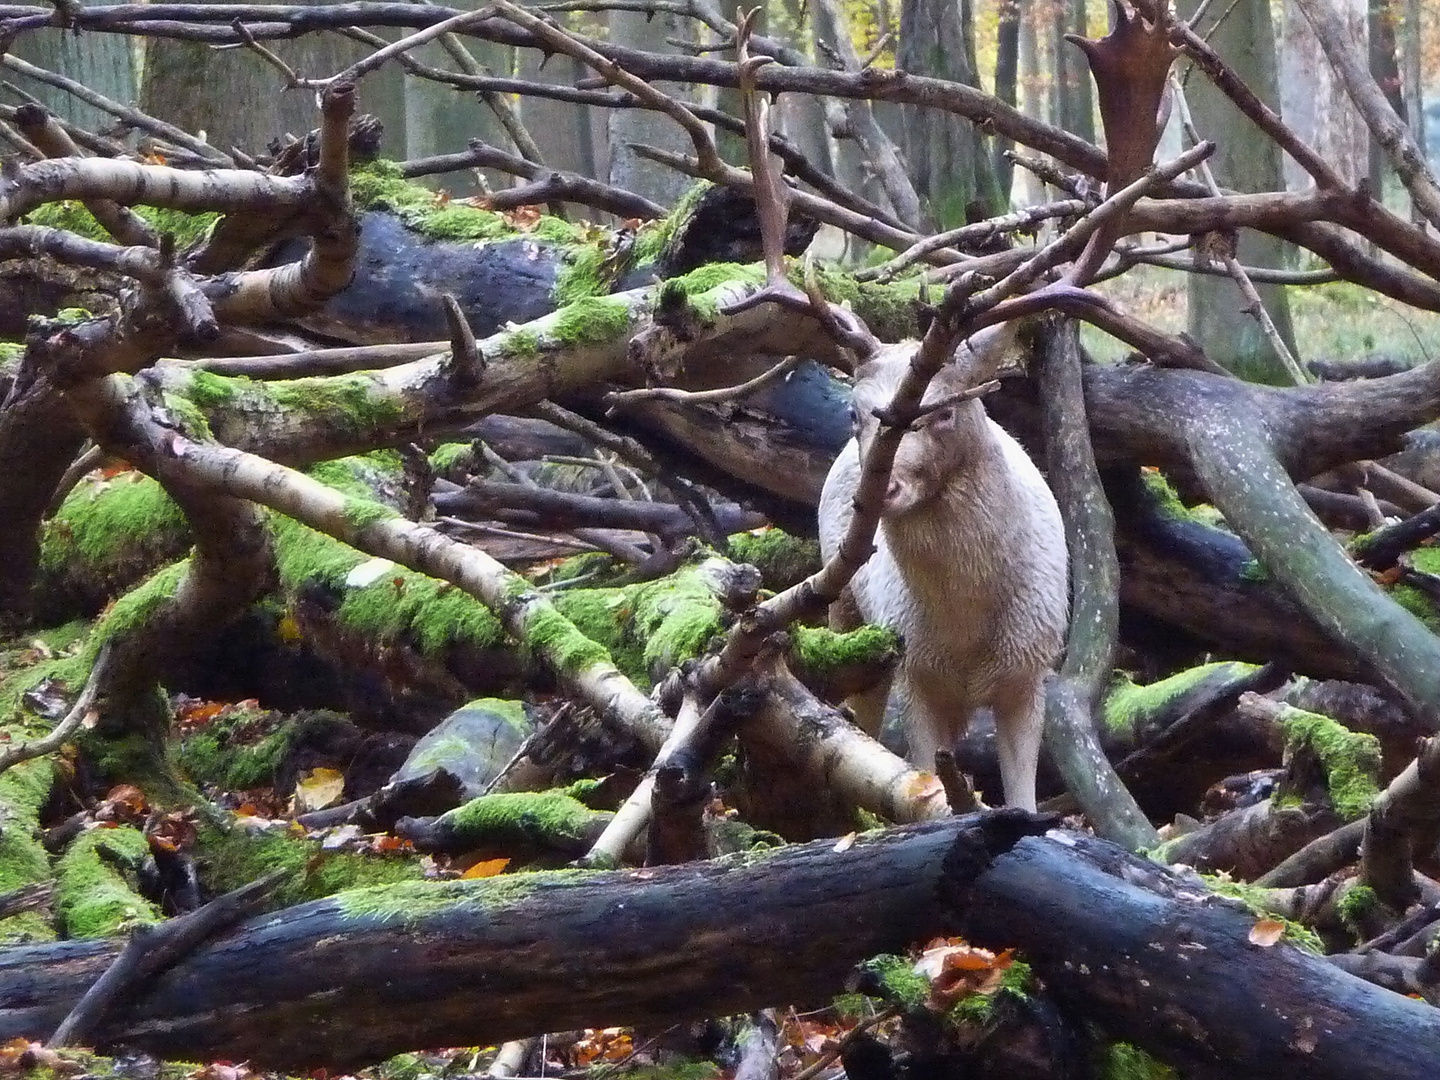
(1019,720)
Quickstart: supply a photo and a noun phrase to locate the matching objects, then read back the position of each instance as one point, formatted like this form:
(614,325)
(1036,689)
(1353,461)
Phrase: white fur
(970,569)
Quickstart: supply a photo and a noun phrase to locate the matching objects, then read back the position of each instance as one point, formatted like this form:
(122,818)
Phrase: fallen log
(360,976)
(1146,955)
(1155,960)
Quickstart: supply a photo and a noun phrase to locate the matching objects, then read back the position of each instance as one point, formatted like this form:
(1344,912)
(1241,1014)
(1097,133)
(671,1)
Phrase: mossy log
(363,975)
(1146,956)
(1153,960)
(416,245)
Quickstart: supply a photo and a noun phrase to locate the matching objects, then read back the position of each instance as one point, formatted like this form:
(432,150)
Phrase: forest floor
(1338,321)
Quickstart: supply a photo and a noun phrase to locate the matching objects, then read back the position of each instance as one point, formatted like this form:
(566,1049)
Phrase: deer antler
(1130,65)
(772,204)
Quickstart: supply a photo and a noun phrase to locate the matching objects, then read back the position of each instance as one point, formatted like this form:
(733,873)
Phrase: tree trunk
(195,87)
(949,159)
(105,63)
(1314,102)
(1247,161)
(630,126)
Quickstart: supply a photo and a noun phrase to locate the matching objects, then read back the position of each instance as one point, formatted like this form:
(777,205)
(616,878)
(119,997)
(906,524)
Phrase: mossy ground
(96,895)
(24,790)
(229,858)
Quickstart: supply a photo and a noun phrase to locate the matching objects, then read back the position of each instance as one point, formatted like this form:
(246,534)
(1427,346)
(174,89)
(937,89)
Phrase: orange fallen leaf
(1266,932)
(486,868)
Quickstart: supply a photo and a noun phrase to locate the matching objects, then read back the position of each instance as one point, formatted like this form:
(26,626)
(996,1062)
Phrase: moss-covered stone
(1351,760)
(229,858)
(783,560)
(95,895)
(543,821)
(1128,706)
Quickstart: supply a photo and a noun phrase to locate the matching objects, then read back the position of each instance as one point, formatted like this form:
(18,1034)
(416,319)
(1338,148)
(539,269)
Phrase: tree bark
(1246,161)
(364,975)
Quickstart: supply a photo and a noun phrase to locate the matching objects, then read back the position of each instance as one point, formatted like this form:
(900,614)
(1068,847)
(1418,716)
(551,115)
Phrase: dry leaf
(486,868)
(368,572)
(288,629)
(1266,932)
(845,843)
(318,789)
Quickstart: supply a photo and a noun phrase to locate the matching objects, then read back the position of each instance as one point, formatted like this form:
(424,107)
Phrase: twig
(82,714)
(621,398)
(834,1053)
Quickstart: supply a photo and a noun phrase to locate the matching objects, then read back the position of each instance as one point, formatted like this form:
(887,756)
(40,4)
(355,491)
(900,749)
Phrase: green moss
(888,309)
(362,513)
(1254,570)
(593,320)
(235,752)
(521,344)
(1121,1061)
(1256,899)
(137,606)
(1417,603)
(73,217)
(95,897)
(24,789)
(1127,705)
(528,819)
(407,903)
(229,858)
(378,185)
(211,391)
(821,650)
(401,605)
(355,403)
(11,351)
(1355,905)
(451,455)
(107,529)
(581,274)
(1351,760)
(693,289)
(650,627)
(897,980)
(654,238)
(782,559)
(567,649)
(1016,982)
